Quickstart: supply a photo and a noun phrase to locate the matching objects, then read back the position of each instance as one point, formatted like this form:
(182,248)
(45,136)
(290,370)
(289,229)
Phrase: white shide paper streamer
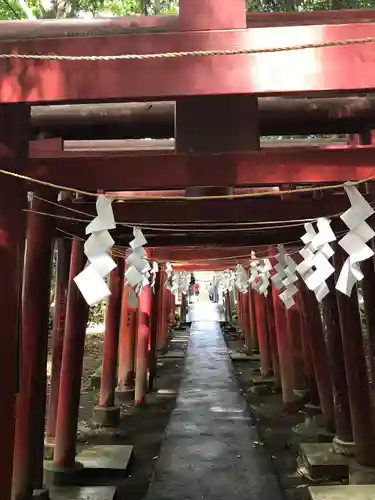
(285,277)
(137,274)
(354,242)
(91,281)
(315,268)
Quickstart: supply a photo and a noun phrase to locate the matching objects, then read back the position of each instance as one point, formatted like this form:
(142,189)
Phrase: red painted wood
(71,368)
(111,336)
(264,346)
(271,335)
(143,334)
(59,313)
(356,371)
(155,318)
(196,15)
(293,322)
(14,130)
(31,402)
(314,70)
(271,166)
(126,343)
(343,421)
(224,211)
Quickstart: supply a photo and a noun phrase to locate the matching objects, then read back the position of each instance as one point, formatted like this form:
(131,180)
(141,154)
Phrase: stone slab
(257,380)
(321,461)
(173,354)
(83,493)
(343,492)
(113,457)
(242,356)
(209,450)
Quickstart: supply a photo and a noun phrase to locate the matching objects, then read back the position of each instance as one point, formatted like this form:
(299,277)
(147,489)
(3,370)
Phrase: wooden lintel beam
(272,167)
(218,211)
(318,70)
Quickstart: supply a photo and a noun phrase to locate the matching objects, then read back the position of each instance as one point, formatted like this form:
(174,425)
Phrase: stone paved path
(208,452)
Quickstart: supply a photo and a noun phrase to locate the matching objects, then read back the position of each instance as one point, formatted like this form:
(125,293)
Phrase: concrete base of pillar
(346,448)
(312,429)
(358,474)
(312,410)
(62,476)
(342,492)
(113,458)
(84,493)
(107,417)
(49,448)
(124,395)
(322,462)
(262,385)
(42,494)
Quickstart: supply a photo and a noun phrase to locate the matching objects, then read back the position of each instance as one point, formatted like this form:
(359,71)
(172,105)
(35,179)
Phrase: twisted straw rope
(192,53)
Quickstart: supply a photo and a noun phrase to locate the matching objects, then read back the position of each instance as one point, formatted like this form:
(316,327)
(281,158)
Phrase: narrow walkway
(208,452)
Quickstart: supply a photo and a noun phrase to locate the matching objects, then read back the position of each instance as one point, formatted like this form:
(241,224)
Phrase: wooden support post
(106,413)
(318,350)
(285,353)
(143,332)
(31,401)
(271,335)
(126,372)
(71,373)
(264,346)
(14,138)
(197,128)
(253,321)
(154,322)
(308,363)
(183,311)
(246,322)
(356,371)
(165,325)
(368,290)
(61,292)
(343,441)
(293,321)
(172,310)
(228,307)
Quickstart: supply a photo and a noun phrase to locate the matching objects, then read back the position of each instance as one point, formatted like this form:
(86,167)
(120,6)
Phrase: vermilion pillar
(343,441)
(246,322)
(285,353)
(318,350)
(126,372)
(368,290)
(184,307)
(163,337)
(71,370)
(264,347)
(61,293)
(31,401)
(308,363)
(154,322)
(106,413)
(228,308)
(172,309)
(271,334)
(293,321)
(14,139)
(356,371)
(143,333)
(253,321)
